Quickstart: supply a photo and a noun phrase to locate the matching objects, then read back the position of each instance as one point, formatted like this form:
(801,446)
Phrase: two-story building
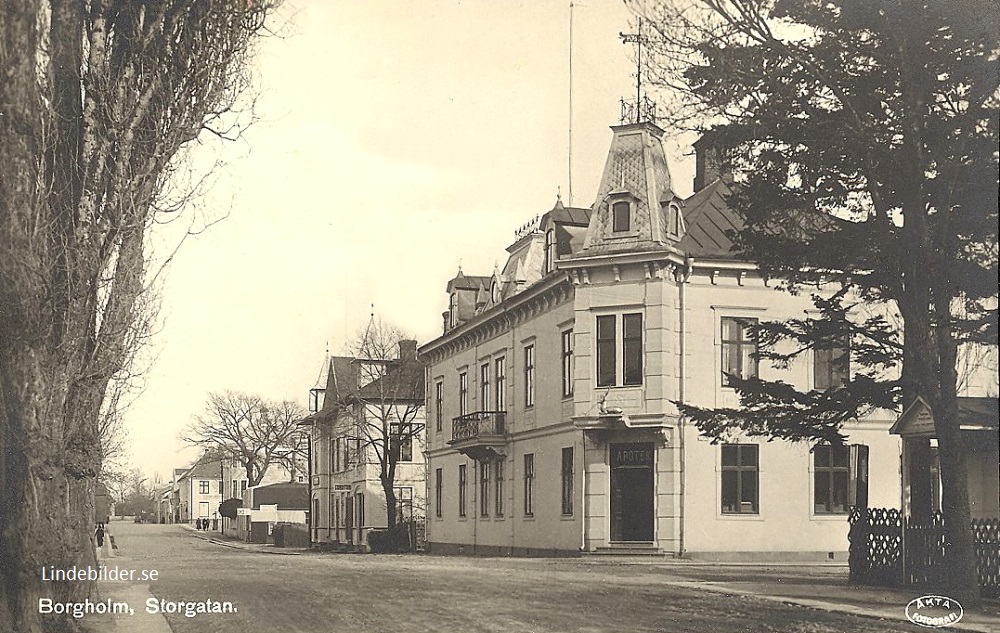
(552,427)
(370,429)
(198,490)
(235,482)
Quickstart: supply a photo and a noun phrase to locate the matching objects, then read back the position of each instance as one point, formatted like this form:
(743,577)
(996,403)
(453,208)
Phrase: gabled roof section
(974,414)
(205,468)
(341,381)
(461,281)
(709,219)
(403,381)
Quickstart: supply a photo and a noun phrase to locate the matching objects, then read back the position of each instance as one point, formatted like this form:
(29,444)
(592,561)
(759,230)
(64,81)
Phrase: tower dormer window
(621,217)
(453,309)
(550,251)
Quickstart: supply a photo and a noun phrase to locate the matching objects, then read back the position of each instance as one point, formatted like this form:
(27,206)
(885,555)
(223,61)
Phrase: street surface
(332,593)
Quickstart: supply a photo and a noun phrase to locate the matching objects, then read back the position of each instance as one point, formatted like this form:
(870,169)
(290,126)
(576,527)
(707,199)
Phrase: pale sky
(398,138)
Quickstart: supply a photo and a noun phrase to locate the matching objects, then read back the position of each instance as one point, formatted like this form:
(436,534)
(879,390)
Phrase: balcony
(480,435)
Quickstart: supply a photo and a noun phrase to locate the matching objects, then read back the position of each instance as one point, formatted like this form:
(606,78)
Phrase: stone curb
(889,615)
(239,546)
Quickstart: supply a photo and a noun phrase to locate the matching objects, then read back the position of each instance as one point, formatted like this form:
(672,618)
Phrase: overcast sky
(397,139)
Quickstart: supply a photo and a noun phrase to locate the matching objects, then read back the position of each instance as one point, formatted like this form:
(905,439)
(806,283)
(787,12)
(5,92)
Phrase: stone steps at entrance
(629,549)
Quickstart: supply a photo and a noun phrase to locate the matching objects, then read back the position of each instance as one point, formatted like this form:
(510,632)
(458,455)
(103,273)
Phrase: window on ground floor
(740,485)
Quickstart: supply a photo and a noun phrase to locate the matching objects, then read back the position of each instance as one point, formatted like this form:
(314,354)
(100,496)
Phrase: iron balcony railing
(472,425)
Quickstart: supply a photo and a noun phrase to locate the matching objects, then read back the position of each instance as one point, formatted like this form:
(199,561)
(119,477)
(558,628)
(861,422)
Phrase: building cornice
(548,293)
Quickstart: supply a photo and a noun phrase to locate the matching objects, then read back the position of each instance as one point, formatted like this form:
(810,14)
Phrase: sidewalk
(235,543)
(823,587)
(134,594)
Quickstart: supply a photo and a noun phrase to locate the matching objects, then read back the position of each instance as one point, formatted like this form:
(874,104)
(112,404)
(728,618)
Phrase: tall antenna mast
(569,189)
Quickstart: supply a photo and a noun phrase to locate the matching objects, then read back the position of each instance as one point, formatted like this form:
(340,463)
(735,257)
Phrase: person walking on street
(99,534)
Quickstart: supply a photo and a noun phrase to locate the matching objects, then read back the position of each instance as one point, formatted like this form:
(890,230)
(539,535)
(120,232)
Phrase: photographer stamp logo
(934,612)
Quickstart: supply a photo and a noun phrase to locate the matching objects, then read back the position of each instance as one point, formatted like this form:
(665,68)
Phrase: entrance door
(632,492)
(349,519)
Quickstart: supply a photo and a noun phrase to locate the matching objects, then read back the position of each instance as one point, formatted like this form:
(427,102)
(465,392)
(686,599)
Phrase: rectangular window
(501,384)
(831,479)
(401,441)
(462,485)
(463,393)
(606,351)
(203,487)
(567,481)
(567,363)
(404,503)
(609,340)
(220,486)
(484,387)
(632,349)
(438,491)
(484,489)
(529,485)
(740,479)
(529,376)
(438,405)
(499,489)
(621,217)
(739,349)
(831,366)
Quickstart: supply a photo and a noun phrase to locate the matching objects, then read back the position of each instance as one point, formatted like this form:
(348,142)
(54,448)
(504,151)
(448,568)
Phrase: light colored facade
(266,505)
(235,482)
(199,491)
(347,496)
(559,374)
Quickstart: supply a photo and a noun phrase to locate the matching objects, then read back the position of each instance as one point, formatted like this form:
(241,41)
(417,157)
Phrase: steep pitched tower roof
(635,209)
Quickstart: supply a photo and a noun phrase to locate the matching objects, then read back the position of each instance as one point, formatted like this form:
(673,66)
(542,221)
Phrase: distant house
(198,490)
(265,506)
(235,482)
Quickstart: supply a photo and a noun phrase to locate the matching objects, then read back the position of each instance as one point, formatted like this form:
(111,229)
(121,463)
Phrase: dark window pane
(839,492)
(729,491)
(748,455)
(821,494)
(621,221)
(748,484)
(606,348)
(840,455)
(632,349)
(729,455)
(821,456)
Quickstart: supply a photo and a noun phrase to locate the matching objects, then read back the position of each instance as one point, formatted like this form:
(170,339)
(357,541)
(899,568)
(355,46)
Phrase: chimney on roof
(708,164)
(407,350)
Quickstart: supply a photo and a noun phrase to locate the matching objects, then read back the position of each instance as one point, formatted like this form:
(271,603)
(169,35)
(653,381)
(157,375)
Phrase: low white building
(267,505)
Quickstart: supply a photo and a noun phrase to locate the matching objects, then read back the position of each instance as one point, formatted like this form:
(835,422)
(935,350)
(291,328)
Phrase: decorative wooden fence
(889,549)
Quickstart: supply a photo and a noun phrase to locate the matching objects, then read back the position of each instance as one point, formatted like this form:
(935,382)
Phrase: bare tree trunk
(961,575)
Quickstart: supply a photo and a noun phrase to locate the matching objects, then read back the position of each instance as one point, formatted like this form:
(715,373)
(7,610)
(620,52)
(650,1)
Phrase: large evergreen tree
(97,99)
(863,136)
